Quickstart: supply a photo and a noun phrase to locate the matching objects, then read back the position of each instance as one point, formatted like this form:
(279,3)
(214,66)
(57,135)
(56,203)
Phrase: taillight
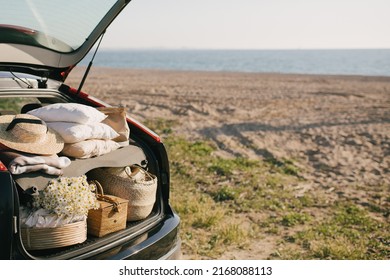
(3,167)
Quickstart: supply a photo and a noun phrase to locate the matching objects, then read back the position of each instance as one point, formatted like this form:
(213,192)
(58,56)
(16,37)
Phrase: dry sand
(338,127)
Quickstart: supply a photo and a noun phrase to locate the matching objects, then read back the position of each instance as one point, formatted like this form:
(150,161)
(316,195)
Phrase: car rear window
(58,25)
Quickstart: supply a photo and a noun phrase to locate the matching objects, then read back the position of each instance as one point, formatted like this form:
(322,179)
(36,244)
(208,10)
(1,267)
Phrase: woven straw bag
(132,183)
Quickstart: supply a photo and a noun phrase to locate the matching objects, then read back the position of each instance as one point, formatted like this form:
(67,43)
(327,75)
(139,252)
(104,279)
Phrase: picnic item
(110,216)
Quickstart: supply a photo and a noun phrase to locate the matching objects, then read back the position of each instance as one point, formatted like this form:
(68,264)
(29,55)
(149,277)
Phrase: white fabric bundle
(81,127)
(75,132)
(52,165)
(68,112)
(42,218)
(90,148)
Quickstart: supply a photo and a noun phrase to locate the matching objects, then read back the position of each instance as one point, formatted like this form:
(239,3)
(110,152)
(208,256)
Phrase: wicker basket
(48,238)
(140,194)
(109,217)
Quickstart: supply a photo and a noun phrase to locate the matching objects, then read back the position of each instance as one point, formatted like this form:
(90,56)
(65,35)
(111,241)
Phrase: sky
(251,24)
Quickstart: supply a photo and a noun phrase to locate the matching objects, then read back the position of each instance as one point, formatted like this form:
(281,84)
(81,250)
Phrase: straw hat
(29,134)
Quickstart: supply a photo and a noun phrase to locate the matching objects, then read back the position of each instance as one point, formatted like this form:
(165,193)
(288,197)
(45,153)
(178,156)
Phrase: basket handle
(100,196)
(98,187)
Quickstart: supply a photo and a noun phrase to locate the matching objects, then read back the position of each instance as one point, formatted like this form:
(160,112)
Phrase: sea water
(372,62)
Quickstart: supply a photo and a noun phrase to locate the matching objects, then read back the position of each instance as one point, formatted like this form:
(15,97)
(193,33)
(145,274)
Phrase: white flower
(68,196)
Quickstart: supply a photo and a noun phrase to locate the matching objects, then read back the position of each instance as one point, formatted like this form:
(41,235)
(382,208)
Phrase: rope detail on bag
(133,171)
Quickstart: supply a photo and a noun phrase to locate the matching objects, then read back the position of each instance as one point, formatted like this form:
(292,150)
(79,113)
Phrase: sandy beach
(338,127)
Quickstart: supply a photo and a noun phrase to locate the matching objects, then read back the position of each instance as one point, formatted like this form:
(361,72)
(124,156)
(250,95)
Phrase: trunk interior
(15,101)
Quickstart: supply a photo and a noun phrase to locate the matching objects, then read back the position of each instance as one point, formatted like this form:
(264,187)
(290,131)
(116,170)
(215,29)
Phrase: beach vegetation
(14,104)
(232,204)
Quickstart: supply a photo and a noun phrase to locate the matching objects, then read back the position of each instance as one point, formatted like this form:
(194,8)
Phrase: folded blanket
(19,163)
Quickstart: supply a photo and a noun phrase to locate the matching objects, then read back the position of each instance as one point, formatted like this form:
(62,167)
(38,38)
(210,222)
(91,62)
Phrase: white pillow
(68,112)
(75,132)
(89,148)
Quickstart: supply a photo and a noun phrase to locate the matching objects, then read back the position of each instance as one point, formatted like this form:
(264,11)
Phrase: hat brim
(52,144)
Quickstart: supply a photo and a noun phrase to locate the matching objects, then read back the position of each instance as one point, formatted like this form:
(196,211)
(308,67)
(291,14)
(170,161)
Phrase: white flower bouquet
(68,197)
(59,214)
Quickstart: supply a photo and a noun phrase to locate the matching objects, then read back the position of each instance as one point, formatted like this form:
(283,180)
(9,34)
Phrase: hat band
(15,121)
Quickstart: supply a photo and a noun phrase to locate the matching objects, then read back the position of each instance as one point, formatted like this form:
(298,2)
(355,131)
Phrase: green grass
(11,104)
(348,233)
(229,204)
(292,219)
(14,104)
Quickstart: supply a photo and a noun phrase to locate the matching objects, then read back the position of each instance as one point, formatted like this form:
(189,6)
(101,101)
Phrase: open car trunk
(144,149)
(40,43)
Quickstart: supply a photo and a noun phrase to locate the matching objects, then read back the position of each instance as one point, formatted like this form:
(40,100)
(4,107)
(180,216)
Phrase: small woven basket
(35,238)
(110,216)
(141,194)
